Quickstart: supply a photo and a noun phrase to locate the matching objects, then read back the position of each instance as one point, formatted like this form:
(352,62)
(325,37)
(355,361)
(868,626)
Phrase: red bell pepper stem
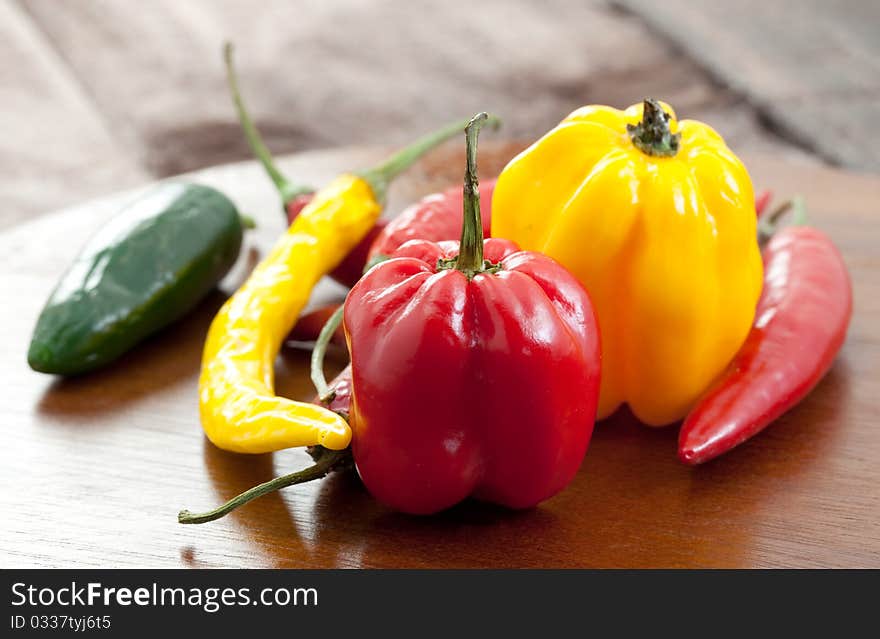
(287,189)
(470,256)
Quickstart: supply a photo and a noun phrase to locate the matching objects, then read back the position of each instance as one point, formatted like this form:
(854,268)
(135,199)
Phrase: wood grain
(93,470)
(810,68)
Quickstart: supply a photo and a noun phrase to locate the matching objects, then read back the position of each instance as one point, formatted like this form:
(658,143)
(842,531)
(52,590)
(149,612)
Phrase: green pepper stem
(320,350)
(470,256)
(769,225)
(652,135)
(247,221)
(324,464)
(380,177)
(285,187)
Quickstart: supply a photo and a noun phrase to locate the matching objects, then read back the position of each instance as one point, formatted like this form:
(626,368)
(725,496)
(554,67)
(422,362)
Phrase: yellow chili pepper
(239,409)
(657,220)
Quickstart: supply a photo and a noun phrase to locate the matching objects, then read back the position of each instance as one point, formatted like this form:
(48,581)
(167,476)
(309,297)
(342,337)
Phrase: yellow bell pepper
(237,403)
(657,220)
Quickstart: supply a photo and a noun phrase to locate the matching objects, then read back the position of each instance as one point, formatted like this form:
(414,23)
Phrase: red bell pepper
(475,370)
(295,197)
(800,325)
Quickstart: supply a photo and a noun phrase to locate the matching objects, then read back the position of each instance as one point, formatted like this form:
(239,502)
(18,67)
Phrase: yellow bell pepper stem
(238,406)
(652,135)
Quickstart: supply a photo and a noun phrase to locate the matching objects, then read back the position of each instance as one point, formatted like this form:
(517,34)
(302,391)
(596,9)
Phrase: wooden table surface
(93,470)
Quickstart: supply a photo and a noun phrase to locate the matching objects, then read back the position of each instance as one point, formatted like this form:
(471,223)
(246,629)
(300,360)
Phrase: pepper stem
(247,221)
(652,134)
(380,177)
(326,462)
(320,350)
(470,255)
(769,225)
(286,189)
(470,248)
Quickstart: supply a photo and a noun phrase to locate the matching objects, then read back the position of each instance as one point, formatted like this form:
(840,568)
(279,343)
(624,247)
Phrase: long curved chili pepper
(800,324)
(294,196)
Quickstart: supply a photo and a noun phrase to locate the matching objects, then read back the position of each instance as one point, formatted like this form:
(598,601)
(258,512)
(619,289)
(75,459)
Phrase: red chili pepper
(338,396)
(475,372)
(762,199)
(308,326)
(294,196)
(800,324)
(297,203)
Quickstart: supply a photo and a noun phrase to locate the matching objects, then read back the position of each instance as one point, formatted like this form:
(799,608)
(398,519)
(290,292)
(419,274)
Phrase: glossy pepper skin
(239,409)
(799,327)
(150,265)
(657,219)
(470,378)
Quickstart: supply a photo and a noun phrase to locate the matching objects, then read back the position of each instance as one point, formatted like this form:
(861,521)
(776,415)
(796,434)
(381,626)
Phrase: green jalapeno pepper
(150,265)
